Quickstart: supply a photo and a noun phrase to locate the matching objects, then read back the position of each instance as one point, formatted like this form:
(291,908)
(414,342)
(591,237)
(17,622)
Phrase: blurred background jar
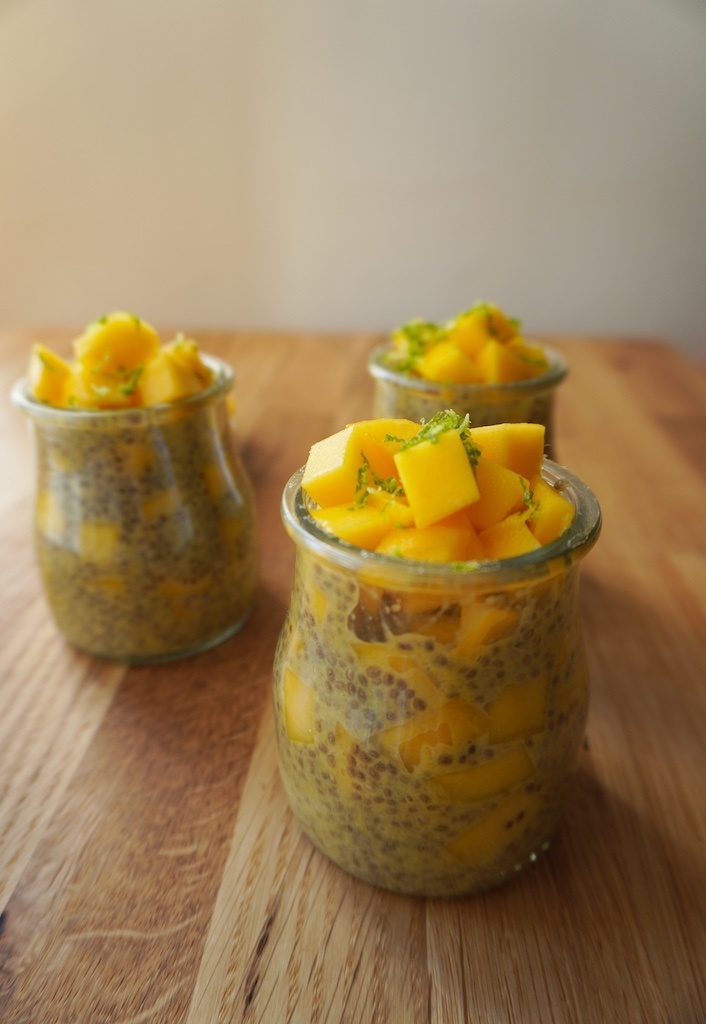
(144,523)
(400,394)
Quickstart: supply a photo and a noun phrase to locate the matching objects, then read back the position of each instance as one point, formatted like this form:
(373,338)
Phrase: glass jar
(401,395)
(144,524)
(429,716)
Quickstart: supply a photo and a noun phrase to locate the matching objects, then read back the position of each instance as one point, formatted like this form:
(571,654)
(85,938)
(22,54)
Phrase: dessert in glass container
(144,520)
(430,682)
(478,363)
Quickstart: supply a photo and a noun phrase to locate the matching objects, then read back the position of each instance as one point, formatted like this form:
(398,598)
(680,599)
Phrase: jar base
(169,656)
(456,888)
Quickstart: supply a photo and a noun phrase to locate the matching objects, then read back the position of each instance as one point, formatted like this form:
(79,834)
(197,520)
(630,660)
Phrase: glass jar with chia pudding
(429,716)
(400,394)
(144,523)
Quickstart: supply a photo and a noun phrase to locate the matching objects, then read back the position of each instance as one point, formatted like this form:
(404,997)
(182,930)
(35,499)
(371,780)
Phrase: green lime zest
(439,424)
(367,480)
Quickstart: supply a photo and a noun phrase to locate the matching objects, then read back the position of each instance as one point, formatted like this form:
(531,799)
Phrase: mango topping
(118,363)
(479,346)
(436,492)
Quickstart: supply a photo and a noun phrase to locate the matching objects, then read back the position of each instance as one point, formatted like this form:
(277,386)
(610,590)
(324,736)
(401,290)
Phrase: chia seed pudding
(144,524)
(429,718)
(405,396)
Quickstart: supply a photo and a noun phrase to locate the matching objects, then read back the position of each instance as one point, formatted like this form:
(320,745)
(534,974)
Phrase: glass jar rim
(132,417)
(558,369)
(573,544)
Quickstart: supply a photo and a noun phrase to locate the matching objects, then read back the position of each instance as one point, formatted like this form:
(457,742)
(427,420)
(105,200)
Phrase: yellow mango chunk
(554,513)
(440,730)
(443,628)
(216,480)
(499,364)
(517,446)
(163,503)
(437,477)
(93,389)
(470,331)
(98,541)
(487,779)
(116,343)
(385,429)
(50,519)
(363,525)
(299,701)
(533,356)
(481,625)
(502,492)
(48,376)
(519,711)
(136,457)
(331,471)
(508,538)
(486,841)
(446,363)
(167,379)
(186,352)
(435,543)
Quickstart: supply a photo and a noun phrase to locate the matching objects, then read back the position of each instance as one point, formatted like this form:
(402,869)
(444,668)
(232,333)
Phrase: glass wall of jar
(144,524)
(429,717)
(405,396)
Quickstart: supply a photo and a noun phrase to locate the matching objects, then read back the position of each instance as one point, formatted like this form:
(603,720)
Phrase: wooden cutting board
(150,870)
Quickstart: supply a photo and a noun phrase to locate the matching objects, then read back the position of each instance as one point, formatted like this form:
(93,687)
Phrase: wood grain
(150,870)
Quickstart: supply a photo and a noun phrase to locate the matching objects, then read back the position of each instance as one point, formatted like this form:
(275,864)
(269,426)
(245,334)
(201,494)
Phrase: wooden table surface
(150,870)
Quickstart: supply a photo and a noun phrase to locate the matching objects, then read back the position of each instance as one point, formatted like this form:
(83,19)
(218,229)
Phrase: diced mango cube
(437,477)
(499,364)
(299,702)
(487,778)
(98,541)
(517,446)
(446,363)
(435,543)
(167,379)
(331,471)
(482,624)
(93,389)
(363,525)
(554,513)
(216,480)
(502,492)
(533,356)
(117,343)
(186,352)
(162,503)
(48,376)
(509,538)
(420,739)
(486,841)
(50,519)
(470,331)
(389,431)
(519,711)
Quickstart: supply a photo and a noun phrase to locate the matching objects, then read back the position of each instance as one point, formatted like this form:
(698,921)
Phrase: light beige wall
(353,163)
